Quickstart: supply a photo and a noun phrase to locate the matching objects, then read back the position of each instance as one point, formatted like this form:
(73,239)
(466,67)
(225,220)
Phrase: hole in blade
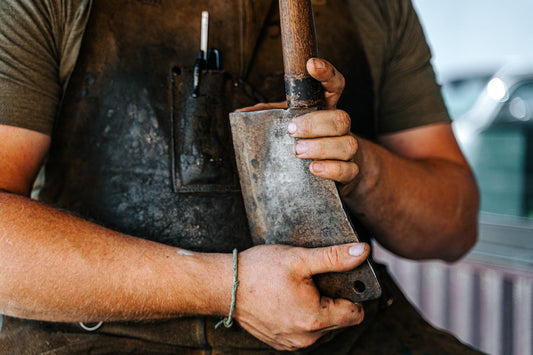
(359,286)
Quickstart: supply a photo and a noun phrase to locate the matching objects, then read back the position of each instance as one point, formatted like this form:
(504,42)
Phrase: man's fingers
(336,170)
(331,79)
(330,123)
(339,148)
(264,106)
(340,313)
(336,258)
(333,314)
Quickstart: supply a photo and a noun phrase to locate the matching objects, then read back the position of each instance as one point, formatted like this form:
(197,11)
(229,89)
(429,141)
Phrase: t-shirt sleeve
(409,94)
(35,45)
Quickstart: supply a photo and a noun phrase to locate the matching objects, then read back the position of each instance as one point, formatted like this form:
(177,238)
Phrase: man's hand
(278,302)
(325,134)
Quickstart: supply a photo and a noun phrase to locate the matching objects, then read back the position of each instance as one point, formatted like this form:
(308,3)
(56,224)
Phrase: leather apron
(131,148)
(133,151)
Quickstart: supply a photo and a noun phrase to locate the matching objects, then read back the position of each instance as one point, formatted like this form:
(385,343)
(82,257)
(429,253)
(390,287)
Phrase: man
(150,257)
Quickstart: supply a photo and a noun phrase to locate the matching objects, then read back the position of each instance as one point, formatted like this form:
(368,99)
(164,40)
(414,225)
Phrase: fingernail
(318,167)
(292,128)
(319,65)
(300,148)
(357,249)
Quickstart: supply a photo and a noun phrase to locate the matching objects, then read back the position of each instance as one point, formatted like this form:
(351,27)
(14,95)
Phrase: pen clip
(213,59)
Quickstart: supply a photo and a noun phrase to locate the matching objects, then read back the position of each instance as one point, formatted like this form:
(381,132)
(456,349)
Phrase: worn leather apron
(133,151)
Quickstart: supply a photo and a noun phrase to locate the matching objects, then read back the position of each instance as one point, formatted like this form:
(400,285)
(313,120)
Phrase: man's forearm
(417,208)
(58,267)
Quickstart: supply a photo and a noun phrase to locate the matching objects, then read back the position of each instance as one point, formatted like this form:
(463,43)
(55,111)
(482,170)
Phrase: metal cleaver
(285,203)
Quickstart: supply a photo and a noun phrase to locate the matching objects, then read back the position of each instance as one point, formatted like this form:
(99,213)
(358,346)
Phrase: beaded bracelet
(228,322)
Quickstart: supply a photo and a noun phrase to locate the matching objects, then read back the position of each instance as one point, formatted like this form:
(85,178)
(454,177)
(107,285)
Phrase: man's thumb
(337,258)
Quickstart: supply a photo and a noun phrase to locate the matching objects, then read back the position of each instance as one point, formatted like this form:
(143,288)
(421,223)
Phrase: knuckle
(347,171)
(360,318)
(337,171)
(319,148)
(354,171)
(337,76)
(333,256)
(326,302)
(306,341)
(352,146)
(311,324)
(306,124)
(359,313)
(342,121)
(297,261)
(342,81)
(284,345)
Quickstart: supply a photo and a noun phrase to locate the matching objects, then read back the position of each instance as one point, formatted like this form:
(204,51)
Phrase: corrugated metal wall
(485,306)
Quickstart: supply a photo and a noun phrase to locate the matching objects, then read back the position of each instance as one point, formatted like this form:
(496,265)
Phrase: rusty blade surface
(286,204)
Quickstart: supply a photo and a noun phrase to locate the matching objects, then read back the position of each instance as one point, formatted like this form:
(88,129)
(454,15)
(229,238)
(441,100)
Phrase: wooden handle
(299,44)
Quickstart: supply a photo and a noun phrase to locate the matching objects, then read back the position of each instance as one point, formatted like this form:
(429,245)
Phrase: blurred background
(483,57)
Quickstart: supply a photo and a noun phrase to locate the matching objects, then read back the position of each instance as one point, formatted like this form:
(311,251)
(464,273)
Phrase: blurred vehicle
(496,135)
(461,91)
(493,122)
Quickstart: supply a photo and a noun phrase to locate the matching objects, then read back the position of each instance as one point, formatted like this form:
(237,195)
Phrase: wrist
(210,278)
(228,321)
(220,281)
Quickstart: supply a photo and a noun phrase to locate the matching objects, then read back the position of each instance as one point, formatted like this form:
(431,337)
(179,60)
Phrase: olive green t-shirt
(39,43)
(40,40)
